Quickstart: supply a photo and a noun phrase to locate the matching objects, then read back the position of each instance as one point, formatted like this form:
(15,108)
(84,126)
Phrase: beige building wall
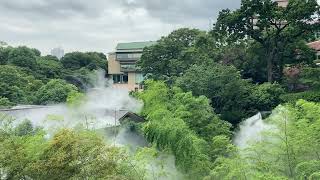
(283,3)
(131,86)
(113,65)
(131,78)
(114,68)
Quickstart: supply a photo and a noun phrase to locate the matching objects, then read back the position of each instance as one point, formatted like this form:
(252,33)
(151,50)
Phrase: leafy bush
(310,77)
(48,68)
(16,85)
(55,91)
(267,96)
(5,103)
(91,60)
(232,97)
(25,153)
(23,57)
(288,150)
(184,124)
(307,95)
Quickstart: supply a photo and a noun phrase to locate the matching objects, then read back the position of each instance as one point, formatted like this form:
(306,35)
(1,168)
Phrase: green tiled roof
(134,45)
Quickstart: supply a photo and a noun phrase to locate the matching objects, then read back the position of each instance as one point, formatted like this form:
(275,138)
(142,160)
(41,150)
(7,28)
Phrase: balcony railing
(129,57)
(128,67)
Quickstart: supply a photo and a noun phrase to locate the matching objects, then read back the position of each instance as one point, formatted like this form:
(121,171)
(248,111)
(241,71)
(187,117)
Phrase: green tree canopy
(276,28)
(16,85)
(49,68)
(91,60)
(55,91)
(184,124)
(288,150)
(163,60)
(4,55)
(23,57)
(25,153)
(231,96)
(5,103)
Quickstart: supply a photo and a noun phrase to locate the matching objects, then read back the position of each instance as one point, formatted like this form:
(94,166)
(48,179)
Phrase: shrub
(55,91)
(307,95)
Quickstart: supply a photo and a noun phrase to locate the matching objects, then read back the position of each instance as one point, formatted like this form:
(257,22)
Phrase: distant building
(57,52)
(282,3)
(316,46)
(122,65)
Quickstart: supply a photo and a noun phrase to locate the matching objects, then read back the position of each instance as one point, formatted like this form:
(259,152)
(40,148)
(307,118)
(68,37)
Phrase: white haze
(102,103)
(250,131)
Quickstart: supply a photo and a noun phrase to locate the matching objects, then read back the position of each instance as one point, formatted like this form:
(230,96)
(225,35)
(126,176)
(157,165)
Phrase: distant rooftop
(315,45)
(134,45)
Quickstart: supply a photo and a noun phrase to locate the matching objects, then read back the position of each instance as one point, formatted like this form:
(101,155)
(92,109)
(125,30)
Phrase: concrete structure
(282,3)
(316,46)
(57,52)
(122,65)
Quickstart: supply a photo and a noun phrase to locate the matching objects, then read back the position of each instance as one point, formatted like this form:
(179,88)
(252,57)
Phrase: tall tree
(23,57)
(232,97)
(184,124)
(16,85)
(164,60)
(55,91)
(91,60)
(49,68)
(274,27)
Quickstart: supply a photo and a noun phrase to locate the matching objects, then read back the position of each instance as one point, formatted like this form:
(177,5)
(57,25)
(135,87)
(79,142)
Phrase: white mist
(250,131)
(103,103)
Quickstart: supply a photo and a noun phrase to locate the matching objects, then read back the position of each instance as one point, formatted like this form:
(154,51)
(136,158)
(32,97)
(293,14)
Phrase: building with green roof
(134,45)
(122,65)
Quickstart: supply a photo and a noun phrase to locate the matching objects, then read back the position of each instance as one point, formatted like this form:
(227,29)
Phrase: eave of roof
(134,45)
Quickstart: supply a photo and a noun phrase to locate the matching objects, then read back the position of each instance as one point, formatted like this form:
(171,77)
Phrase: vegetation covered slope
(26,77)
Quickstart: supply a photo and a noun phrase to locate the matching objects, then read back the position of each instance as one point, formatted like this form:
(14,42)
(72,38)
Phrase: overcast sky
(98,25)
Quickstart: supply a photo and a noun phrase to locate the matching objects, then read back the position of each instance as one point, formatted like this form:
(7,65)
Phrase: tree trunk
(270,59)
(270,69)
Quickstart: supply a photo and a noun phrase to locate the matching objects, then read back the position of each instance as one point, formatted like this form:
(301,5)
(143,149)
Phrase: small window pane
(125,79)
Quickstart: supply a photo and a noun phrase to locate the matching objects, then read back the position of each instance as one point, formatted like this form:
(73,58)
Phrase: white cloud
(98,25)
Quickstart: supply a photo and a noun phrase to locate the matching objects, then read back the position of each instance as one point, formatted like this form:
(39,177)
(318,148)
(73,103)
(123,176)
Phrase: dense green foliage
(306,95)
(49,68)
(255,58)
(289,151)
(199,86)
(25,75)
(25,153)
(232,97)
(55,91)
(16,85)
(77,60)
(23,57)
(230,64)
(277,29)
(165,60)
(183,124)
(5,103)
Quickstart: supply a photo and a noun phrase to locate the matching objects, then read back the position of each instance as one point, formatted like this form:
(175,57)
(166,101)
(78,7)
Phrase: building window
(116,78)
(120,78)
(125,79)
(124,56)
(128,67)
